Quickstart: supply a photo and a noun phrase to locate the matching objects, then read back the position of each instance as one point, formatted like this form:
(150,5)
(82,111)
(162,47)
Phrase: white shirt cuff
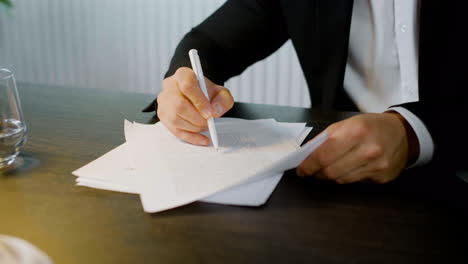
(426,144)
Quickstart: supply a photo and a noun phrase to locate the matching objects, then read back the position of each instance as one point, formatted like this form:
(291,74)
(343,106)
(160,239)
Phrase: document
(112,172)
(172,173)
(168,172)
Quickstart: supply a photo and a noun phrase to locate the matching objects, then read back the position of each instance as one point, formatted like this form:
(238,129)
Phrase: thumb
(222,101)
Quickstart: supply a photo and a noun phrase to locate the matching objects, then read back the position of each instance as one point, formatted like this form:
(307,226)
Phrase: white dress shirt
(382,67)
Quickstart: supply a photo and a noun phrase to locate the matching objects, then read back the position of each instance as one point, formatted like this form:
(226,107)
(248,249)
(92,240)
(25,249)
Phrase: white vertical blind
(127,45)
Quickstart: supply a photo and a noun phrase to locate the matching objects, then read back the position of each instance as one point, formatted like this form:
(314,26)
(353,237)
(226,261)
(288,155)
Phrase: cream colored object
(14,250)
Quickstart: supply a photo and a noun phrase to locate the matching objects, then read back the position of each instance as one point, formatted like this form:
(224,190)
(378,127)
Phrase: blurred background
(126,45)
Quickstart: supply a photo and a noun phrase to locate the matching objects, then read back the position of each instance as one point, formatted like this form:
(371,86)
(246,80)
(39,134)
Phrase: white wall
(126,45)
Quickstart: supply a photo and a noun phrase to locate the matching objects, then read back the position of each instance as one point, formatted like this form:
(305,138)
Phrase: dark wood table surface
(410,220)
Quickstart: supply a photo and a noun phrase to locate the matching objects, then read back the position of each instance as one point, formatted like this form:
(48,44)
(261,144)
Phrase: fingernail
(218,108)
(206,113)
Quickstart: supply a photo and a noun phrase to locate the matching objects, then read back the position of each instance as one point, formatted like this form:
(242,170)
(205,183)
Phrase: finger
(189,87)
(190,137)
(171,119)
(181,123)
(220,98)
(366,172)
(335,147)
(182,128)
(212,88)
(187,111)
(222,102)
(174,103)
(356,175)
(349,162)
(372,165)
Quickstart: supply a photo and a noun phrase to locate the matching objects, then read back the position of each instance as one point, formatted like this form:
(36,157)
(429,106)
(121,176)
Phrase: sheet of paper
(172,173)
(110,172)
(164,169)
(98,184)
(255,193)
(113,169)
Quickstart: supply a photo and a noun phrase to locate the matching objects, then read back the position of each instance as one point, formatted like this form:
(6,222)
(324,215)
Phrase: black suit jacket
(242,32)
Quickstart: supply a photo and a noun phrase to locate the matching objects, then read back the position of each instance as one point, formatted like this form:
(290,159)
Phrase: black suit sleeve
(238,34)
(443,64)
(234,37)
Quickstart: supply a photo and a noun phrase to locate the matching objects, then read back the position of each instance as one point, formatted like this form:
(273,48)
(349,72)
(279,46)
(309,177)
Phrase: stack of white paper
(168,172)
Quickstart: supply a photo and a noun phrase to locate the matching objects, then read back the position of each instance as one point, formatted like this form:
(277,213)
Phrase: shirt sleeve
(426,143)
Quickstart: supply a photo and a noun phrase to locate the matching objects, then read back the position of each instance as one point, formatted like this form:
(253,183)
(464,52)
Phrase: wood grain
(413,219)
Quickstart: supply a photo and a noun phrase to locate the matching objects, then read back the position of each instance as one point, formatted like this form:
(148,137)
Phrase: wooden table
(304,221)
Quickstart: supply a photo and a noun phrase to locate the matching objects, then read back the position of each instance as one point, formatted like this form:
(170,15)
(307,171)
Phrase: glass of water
(12,126)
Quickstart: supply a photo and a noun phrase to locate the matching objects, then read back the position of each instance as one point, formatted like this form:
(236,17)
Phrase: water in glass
(12,127)
(12,138)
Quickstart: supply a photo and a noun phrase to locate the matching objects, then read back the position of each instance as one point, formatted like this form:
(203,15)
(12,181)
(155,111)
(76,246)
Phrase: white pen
(196,67)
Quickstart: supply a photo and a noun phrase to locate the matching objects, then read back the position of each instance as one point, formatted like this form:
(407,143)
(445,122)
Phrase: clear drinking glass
(12,126)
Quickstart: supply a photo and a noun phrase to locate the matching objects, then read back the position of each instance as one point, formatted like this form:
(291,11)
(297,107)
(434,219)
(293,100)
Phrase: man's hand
(184,109)
(368,146)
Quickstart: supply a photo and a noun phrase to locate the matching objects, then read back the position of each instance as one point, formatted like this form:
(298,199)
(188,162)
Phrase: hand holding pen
(184,109)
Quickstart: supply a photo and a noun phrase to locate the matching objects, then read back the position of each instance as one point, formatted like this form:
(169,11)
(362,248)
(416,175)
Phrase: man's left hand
(367,146)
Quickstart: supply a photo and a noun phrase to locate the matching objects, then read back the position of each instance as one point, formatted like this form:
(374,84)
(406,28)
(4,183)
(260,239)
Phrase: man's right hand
(184,109)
